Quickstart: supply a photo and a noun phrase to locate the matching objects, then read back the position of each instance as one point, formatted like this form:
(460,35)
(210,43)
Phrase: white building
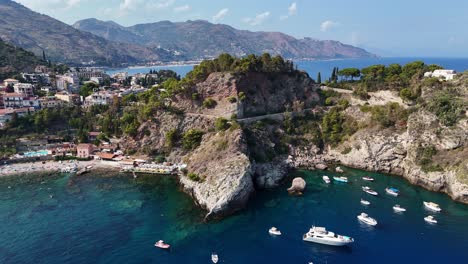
(13,100)
(99,98)
(26,89)
(10,82)
(68,82)
(68,98)
(50,102)
(442,74)
(7,114)
(32,101)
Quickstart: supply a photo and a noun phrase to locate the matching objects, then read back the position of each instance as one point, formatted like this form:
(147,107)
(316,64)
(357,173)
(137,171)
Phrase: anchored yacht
(340,179)
(369,191)
(274,231)
(430,219)
(432,206)
(364,202)
(322,236)
(326,179)
(363,217)
(368,179)
(392,191)
(398,208)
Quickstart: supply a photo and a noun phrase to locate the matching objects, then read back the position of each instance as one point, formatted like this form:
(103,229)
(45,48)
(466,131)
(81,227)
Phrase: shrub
(232,99)
(242,96)
(448,108)
(195,96)
(192,139)
(221,124)
(171,138)
(346,150)
(209,103)
(194,177)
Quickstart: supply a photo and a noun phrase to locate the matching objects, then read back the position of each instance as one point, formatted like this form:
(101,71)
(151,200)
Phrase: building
(84,151)
(99,98)
(87,73)
(26,89)
(50,102)
(92,136)
(10,82)
(35,78)
(69,98)
(32,101)
(48,89)
(7,114)
(13,100)
(68,82)
(442,74)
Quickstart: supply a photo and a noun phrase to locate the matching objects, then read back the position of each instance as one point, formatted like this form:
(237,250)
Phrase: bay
(116,219)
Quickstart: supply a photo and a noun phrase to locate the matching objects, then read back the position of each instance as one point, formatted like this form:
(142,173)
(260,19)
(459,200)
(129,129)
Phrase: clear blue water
(103,219)
(325,67)
(36,153)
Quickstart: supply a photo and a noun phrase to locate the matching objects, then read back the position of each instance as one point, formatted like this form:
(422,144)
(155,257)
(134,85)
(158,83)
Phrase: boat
(364,202)
(392,191)
(274,231)
(340,179)
(326,179)
(369,191)
(214,258)
(430,219)
(322,236)
(432,206)
(368,179)
(363,217)
(398,208)
(161,244)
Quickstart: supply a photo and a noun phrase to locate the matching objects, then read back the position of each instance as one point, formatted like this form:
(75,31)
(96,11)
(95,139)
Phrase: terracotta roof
(103,155)
(84,146)
(94,133)
(10,80)
(12,95)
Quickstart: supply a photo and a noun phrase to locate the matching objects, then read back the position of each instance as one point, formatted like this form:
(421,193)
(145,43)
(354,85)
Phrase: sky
(410,28)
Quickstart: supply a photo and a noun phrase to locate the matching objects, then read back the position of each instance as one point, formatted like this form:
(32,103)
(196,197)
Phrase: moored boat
(322,236)
(398,208)
(430,219)
(340,179)
(432,206)
(364,202)
(326,179)
(214,258)
(369,191)
(274,231)
(368,179)
(161,244)
(363,217)
(392,191)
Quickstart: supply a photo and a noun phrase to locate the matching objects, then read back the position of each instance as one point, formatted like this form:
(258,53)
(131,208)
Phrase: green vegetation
(194,177)
(242,96)
(192,139)
(15,60)
(448,108)
(389,115)
(209,103)
(232,99)
(222,124)
(346,150)
(172,136)
(336,126)
(88,88)
(424,158)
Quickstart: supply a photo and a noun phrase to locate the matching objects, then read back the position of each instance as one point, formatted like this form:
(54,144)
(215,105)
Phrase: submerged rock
(297,187)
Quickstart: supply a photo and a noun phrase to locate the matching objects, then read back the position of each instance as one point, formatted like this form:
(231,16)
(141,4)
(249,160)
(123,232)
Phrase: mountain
(35,32)
(14,60)
(200,39)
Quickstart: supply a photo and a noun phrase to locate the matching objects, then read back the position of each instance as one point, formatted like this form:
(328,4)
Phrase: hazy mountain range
(108,43)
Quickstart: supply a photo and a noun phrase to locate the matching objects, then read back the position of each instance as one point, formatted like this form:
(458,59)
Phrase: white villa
(443,74)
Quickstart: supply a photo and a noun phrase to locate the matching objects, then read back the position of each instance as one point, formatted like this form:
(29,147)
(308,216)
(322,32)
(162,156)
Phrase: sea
(105,218)
(325,67)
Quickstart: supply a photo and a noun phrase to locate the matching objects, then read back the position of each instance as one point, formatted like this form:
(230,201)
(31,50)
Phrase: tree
(221,124)
(44,58)
(192,139)
(87,89)
(319,78)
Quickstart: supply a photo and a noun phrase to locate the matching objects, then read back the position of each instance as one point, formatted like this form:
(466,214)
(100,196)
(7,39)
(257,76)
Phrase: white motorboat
(340,179)
(214,258)
(363,217)
(430,219)
(326,179)
(368,179)
(392,191)
(369,191)
(364,202)
(398,208)
(432,206)
(322,236)
(274,231)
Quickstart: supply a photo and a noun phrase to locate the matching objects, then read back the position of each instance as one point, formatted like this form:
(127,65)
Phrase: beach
(55,166)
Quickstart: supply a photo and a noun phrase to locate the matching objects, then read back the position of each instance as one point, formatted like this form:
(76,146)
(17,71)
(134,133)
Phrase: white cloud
(328,25)
(156,5)
(258,19)
(132,5)
(292,11)
(220,15)
(51,4)
(183,8)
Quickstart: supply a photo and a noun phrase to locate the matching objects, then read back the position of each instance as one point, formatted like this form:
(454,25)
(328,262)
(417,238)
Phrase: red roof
(94,133)
(84,146)
(103,155)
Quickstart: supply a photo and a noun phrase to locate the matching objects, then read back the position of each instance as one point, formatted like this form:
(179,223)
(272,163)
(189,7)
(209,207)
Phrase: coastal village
(43,89)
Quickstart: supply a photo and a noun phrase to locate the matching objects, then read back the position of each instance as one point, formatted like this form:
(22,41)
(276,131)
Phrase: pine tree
(319,78)
(44,56)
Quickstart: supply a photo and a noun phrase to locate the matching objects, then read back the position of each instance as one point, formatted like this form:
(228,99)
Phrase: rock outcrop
(297,186)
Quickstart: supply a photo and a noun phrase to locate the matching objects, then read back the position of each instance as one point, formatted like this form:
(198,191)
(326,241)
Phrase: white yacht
(398,208)
(214,258)
(364,202)
(326,179)
(363,217)
(368,179)
(369,191)
(430,219)
(392,191)
(432,206)
(341,179)
(322,236)
(274,231)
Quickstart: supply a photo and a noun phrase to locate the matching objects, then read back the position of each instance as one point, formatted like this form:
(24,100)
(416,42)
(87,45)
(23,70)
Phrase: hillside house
(84,151)
(442,74)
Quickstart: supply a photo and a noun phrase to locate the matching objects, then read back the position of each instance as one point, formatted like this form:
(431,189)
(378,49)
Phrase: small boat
(392,191)
(369,191)
(214,258)
(364,202)
(368,179)
(363,217)
(340,179)
(326,179)
(274,231)
(430,219)
(322,236)
(432,206)
(398,208)
(161,244)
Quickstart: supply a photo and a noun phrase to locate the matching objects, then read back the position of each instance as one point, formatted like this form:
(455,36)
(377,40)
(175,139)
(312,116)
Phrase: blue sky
(430,28)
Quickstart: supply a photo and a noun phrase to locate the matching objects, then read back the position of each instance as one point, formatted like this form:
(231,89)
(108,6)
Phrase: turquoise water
(325,67)
(36,153)
(103,219)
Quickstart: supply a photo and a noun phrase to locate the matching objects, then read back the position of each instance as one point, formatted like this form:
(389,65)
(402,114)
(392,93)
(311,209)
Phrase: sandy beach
(54,166)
